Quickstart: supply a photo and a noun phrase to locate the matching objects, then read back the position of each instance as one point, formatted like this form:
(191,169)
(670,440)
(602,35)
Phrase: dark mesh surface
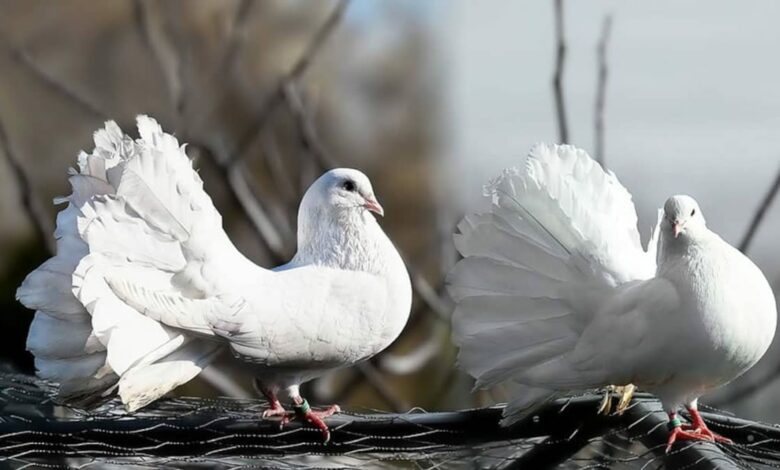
(229,433)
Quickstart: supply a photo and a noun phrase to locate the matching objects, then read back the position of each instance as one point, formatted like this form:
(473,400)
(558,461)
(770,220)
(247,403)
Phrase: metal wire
(230,433)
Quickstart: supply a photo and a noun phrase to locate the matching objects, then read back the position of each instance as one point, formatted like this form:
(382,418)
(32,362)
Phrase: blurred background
(430,99)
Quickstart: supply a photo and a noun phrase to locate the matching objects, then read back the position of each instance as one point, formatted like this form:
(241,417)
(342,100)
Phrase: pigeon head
(342,191)
(682,216)
(338,202)
(335,221)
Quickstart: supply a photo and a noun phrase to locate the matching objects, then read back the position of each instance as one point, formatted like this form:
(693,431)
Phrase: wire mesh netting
(36,432)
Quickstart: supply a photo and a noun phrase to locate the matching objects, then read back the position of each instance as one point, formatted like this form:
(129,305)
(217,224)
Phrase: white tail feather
(134,207)
(553,232)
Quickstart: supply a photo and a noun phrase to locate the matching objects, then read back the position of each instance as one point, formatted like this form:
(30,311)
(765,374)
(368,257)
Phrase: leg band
(304,408)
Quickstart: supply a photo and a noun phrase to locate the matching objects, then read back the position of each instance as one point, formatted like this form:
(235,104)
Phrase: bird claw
(316,418)
(274,412)
(690,433)
(277,410)
(606,402)
(625,392)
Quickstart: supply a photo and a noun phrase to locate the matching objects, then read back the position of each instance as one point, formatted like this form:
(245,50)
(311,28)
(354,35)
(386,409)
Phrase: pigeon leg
(304,411)
(275,407)
(697,431)
(677,433)
(700,427)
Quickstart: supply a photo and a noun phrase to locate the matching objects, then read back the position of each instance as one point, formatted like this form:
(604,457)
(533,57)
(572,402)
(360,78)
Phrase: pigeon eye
(693,212)
(349,185)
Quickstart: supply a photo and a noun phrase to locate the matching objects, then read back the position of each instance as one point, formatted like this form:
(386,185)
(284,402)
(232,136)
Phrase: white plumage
(555,292)
(146,288)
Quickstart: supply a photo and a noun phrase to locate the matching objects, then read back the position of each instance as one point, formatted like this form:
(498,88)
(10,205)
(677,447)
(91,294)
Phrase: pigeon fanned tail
(134,208)
(555,226)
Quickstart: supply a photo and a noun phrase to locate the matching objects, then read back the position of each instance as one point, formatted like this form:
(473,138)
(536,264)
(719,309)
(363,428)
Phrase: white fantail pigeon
(555,293)
(146,288)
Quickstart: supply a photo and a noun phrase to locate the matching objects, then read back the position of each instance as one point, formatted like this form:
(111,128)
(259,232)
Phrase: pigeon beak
(372,205)
(677,228)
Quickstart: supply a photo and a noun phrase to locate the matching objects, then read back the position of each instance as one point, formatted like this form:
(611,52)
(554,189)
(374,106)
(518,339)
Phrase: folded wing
(310,315)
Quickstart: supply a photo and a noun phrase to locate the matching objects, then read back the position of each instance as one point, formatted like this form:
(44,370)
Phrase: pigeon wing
(305,315)
(622,343)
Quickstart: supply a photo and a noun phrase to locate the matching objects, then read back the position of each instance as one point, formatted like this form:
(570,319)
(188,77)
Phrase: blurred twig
(235,181)
(601,89)
(224,67)
(560,56)
(22,58)
(758,217)
(378,383)
(164,53)
(181,65)
(234,40)
(430,295)
(257,214)
(296,71)
(279,172)
(224,383)
(38,216)
(228,162)
(414,360)
(308,134)
(284,91)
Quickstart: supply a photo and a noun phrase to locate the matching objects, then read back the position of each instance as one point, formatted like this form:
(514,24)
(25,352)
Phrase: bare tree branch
(325,387)
(240,190)
(181,57)
(224,382)
(560,105)
(53,83)
(234,40)
(758,217)
(308,134)
(378,383)
(227,163)
(296,71)
(280,173)
(224,65)
(164,53)
(601,89)
(38,216)
(255,211)
(414,360)
(318,40)
(435,302)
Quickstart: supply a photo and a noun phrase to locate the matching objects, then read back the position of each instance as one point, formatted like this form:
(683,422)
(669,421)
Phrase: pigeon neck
(350,239)
(670,248)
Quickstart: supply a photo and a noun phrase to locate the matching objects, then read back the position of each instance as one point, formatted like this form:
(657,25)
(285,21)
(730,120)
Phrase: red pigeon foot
(316,417)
